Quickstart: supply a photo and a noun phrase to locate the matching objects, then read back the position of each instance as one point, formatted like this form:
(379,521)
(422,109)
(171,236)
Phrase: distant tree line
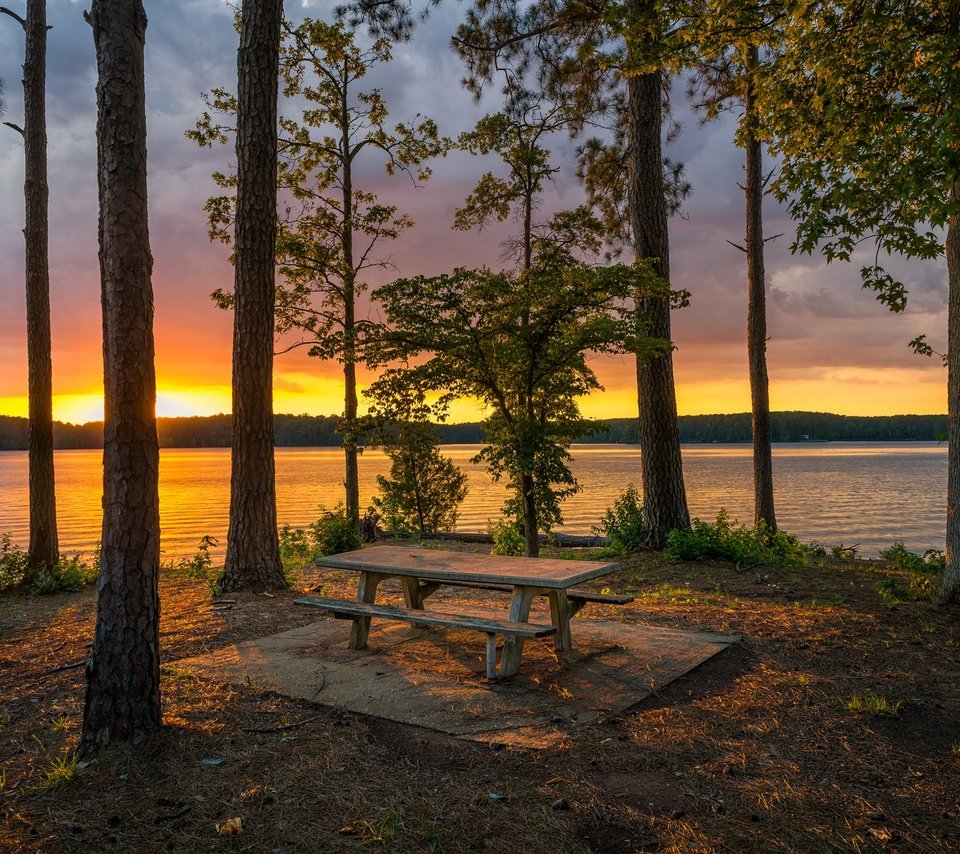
(306,431)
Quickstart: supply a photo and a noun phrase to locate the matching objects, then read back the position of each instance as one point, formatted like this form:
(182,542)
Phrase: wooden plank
(435,564)
(365,610)
(513,645)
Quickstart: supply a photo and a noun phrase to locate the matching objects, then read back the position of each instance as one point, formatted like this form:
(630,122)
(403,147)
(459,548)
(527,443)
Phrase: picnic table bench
(423,571)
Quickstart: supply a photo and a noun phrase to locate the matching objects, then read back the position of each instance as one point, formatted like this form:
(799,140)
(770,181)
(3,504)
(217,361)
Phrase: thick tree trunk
(763,507)
(664,498)
(951,577)
(253,551)
(531,539)
(43,549)
(123,673)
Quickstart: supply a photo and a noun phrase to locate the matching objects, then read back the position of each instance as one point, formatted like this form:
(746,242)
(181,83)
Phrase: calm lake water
(862,493)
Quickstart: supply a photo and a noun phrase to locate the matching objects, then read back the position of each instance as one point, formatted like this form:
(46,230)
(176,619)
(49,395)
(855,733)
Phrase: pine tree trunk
(664,498)
(951,577)
(43,549)
(531,539)
(351,482)
(123,673)
(253,550)
(757,311)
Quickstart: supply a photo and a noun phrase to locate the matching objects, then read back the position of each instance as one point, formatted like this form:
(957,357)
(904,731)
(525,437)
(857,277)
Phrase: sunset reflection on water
(852,493)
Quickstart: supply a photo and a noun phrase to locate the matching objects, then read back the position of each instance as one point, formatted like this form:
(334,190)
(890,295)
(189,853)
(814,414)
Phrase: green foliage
(926,570)
(871,704)
(67,575)
(624,523)
(519,344)
(62,770)
(728,539)
(424,489)
(507,539)
(198,567)
(333,532)
(13,564)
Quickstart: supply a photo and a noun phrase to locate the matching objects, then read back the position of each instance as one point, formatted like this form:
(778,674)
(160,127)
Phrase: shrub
(925,571)
(67,575)
(624,523)
(507,539)
(333,533)
(728,539)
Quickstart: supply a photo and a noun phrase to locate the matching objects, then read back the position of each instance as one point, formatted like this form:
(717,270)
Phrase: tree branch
(17,128)
(15,16)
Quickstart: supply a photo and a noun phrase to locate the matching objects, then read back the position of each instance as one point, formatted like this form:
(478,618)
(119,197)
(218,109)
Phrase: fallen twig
(281,728)
(157,819)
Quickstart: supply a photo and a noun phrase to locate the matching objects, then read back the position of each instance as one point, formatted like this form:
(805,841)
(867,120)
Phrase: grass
(62,770)
(872,704)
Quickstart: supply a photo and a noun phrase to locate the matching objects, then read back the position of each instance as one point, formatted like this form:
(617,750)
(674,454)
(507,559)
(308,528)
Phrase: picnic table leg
(366,592)
(512,646)
(560,614)
(412,594)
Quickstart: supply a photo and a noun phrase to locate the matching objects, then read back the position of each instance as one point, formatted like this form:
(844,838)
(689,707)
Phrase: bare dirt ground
(757,750)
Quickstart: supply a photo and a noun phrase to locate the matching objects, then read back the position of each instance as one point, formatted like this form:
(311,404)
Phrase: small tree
(330,229)
(519,344)
(425,489)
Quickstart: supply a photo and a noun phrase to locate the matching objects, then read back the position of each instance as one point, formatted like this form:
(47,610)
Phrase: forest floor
(833,724)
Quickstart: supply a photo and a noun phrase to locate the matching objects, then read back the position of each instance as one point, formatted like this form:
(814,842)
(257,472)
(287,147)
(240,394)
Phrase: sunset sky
(832,347)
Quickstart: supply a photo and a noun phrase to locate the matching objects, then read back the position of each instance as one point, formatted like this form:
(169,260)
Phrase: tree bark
(351,481)
(43,549)
(664,497)
(123,673)
(950,592)
(531,539)
(253,550)
(763,502)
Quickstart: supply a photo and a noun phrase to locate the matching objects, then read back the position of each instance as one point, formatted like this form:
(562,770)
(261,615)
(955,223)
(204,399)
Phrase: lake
(865,493)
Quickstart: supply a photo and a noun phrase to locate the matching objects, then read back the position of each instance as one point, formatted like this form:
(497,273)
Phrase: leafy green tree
(519,344)
(611,56)
(424,490)
(330,229)
(861,107)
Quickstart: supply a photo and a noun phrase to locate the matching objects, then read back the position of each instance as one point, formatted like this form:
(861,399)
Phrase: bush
(728,539)
(624,523)
(507,539)
(67,575)
(926,570)
(333,533)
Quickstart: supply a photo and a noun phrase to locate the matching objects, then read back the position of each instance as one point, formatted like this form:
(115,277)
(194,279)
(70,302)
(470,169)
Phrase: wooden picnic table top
(438,565)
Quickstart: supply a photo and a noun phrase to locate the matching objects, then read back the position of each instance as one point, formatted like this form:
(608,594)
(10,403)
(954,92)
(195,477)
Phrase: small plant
(926,570)
(333,533)
(892,592)
(62,770)
(727,539)
(507,539)
(624,523)
(432,834)
(872,704)
(381,831)
(67,575)
(61,723)
(200,566)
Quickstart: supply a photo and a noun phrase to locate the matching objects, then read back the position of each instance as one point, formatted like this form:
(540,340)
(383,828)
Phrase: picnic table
(422,571)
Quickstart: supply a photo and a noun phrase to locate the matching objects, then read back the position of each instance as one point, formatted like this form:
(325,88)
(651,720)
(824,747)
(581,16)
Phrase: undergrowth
(728,539)
(69,574)
(624,524)
(925,573)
